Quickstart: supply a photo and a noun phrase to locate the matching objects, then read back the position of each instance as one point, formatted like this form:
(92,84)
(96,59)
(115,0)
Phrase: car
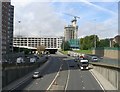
(94,59)
(36,75)
(32,60)
(19,60)
(76,58)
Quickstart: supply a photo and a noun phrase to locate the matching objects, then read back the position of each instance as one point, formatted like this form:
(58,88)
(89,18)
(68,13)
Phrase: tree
(104,43)
(41,48)
(88,42)
(65,45)
(116,45)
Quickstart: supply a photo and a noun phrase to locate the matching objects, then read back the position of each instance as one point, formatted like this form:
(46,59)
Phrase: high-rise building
(0,32)
(6,28)
(10,29)
(70,31)
(71,34)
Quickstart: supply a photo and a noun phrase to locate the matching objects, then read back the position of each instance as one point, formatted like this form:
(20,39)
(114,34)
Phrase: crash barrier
(113,53)
(109,72)
(11,73)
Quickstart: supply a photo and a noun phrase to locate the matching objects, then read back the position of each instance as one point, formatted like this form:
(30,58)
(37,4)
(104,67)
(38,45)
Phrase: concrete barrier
(113,53)
(12,73)
(109,72)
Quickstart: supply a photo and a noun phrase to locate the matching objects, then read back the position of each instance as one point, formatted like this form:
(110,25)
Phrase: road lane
(74,82)
(89,81)
(48,73)
(61,80)
(81,79)
(70,77)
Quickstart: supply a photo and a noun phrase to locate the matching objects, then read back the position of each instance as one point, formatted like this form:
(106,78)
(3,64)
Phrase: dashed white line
(67,78)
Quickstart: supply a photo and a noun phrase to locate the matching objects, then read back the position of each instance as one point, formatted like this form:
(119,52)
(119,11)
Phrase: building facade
(0,32)
(7,18)
(48,42)
(71,34)
(71,31)
(114,40)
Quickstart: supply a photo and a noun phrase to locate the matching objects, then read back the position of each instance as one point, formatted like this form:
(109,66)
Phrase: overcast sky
(48,18)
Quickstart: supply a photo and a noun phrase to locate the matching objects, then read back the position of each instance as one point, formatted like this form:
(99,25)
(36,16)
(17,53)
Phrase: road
(61,73)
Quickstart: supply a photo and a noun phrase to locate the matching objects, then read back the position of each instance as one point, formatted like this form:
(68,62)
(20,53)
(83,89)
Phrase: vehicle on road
(84,64)
(19,60)
(36,75)
(94,59)
(76,58)
(32,60)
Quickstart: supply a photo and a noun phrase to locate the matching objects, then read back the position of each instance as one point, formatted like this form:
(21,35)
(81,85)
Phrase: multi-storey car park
(51,43)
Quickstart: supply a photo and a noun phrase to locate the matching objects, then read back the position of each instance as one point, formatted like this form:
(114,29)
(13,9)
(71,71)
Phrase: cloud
(42,19)
(105,29)
(38,19)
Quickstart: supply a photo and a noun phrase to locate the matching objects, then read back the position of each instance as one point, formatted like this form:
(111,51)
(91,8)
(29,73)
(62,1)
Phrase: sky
(48,18)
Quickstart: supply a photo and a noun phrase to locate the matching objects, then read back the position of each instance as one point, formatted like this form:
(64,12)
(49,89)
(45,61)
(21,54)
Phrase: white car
(95,59)
(32,60)
(36,75)
(19,60)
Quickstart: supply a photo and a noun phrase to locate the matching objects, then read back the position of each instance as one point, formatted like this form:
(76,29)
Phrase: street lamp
(95,35)
(19,32)
(63,43)
(19,26)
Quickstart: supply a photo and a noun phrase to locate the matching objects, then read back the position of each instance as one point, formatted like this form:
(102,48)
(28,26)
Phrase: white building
(49,42)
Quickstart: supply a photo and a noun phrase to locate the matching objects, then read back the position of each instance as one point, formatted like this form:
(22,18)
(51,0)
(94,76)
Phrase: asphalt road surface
(61,73)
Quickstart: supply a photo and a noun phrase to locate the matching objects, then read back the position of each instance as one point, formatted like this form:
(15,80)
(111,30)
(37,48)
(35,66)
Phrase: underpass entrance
(51,51)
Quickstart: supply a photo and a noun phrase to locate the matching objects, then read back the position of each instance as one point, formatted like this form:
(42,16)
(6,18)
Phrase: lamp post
(63,43)
(19,32)
(95,35)
(19,26)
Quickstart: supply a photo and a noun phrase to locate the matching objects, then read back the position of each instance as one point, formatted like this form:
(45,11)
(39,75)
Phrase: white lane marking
(97,81)
(54,79)
(67,78)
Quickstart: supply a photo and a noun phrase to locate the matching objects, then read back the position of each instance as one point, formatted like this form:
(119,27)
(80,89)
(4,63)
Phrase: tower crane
(74,22)
(75,17)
